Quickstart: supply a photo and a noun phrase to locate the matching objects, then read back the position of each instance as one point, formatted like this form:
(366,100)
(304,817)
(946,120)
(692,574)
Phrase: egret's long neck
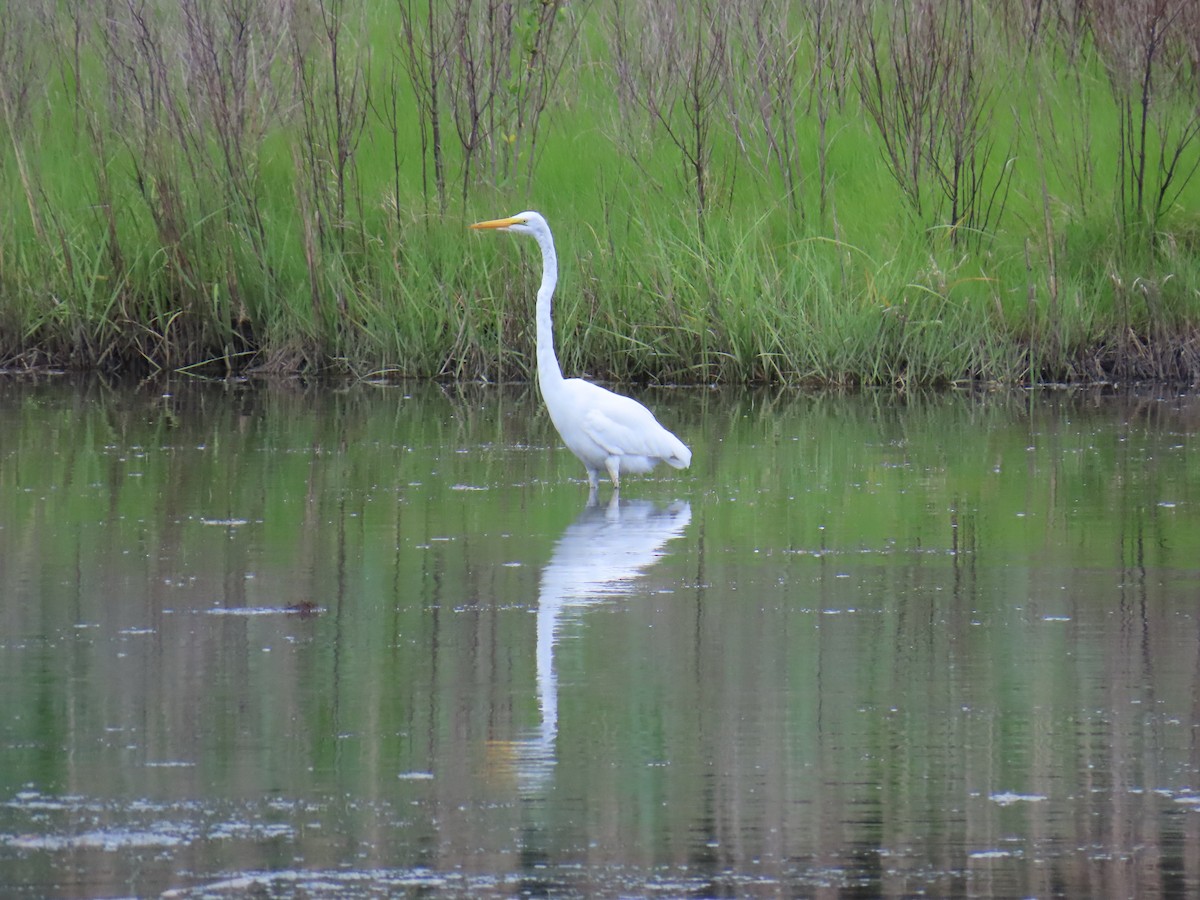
(549,373)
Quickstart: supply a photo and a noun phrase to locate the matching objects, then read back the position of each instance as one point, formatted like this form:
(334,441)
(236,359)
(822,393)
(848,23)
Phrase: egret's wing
(623,427)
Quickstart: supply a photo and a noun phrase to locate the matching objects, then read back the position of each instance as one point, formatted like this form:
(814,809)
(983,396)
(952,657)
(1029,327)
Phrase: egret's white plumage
(605,430)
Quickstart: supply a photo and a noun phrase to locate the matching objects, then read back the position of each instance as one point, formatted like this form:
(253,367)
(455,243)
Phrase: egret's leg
(613,464)
(593,478)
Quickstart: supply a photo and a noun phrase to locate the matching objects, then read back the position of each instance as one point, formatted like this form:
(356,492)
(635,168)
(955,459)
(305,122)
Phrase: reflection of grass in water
(722,685)
(127,248)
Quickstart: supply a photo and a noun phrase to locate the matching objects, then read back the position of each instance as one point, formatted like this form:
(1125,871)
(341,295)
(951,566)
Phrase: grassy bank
(756,190)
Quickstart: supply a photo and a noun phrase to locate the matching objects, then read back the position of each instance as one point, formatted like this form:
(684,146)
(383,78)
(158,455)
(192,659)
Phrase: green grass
(194,269)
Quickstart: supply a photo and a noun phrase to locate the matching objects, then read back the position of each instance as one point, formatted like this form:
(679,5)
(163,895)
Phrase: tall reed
(794,191)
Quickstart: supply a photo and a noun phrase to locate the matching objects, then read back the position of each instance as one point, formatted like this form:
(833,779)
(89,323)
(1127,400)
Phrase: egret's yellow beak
(497,223)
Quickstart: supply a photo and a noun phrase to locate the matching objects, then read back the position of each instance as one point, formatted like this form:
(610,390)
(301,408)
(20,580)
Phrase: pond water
(369,640)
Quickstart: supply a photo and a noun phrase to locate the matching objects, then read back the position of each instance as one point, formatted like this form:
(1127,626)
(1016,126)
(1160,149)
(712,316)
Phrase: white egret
(605,430)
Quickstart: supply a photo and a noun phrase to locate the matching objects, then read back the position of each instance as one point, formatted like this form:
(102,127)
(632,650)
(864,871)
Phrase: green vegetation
(759,190)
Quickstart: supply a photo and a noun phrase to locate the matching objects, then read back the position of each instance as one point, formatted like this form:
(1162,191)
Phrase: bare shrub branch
(921,82)
(19,72)
(330,83)
(767,47)
(1151,54)
(424,54)
(487,70)
(672,60)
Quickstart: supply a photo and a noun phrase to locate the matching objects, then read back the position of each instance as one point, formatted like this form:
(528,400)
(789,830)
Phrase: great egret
(605,430)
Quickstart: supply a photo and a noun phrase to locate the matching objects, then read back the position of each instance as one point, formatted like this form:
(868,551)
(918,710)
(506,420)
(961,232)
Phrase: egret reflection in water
(598,557)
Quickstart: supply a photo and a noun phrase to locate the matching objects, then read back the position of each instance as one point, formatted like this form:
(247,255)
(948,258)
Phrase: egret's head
(527,222)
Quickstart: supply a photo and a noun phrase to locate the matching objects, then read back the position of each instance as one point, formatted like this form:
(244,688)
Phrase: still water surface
(370,641)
